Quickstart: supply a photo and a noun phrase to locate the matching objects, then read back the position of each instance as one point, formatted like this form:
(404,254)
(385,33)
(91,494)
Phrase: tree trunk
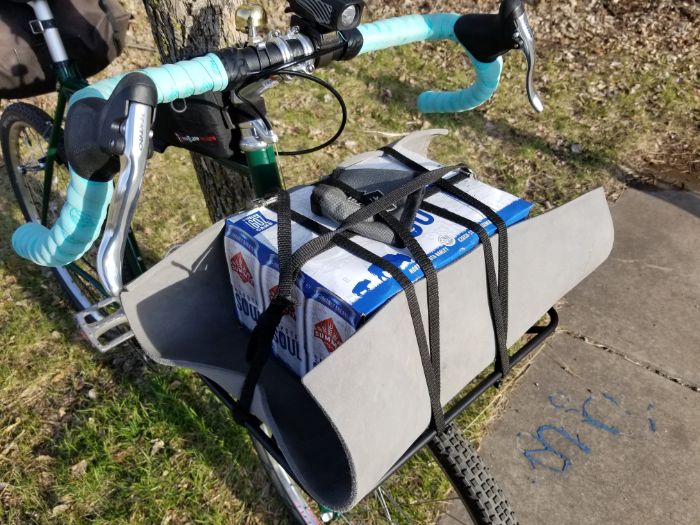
(184,29)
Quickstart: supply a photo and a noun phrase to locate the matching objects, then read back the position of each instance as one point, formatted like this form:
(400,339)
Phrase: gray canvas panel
(352,417)
(183,310)
(373,390)
(183,314)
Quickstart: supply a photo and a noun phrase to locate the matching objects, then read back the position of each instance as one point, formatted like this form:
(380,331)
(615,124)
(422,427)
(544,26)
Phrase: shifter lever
(526,42)
(487,37)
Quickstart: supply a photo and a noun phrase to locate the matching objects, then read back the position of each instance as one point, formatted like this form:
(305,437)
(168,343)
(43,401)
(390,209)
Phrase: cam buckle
(36,26)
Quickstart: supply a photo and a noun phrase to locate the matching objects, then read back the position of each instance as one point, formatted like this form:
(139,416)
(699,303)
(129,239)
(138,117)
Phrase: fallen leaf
(59,509)
(158,445)
(78,470)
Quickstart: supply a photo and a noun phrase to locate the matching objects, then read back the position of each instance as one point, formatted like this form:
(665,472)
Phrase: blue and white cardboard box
(336,291)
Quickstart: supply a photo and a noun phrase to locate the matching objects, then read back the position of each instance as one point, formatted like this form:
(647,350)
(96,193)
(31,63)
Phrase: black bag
(93,33)
(201,123)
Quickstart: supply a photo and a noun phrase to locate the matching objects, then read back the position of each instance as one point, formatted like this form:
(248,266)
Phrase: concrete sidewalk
(604,428)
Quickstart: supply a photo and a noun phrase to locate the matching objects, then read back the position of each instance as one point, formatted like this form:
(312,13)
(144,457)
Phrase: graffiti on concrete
(550,445)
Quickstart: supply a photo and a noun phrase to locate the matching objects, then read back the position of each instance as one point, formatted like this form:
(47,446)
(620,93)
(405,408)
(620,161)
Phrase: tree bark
(184,29)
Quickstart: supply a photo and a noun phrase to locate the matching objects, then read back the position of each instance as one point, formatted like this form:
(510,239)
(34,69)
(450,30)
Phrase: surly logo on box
(255,223)
(422,220)
(239,266)
(328,333)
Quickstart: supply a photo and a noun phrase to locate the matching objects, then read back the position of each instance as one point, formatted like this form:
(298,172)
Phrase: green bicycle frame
(263,171)
(261,168)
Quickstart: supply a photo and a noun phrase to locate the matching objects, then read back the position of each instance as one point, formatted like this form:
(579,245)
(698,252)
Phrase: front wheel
(478,490)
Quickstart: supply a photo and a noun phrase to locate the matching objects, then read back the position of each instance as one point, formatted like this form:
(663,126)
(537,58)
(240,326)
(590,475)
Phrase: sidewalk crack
(642,364)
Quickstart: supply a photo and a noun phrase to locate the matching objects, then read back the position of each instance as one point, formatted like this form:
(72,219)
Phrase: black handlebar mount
(95,155)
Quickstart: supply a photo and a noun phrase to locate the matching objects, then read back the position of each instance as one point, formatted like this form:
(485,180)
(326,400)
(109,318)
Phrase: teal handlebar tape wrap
(75,230)
(173,81)
(80,222)
(409,29)
(440,26)
(488,76)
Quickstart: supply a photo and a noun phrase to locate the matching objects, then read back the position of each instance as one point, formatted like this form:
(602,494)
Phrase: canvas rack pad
(343,425)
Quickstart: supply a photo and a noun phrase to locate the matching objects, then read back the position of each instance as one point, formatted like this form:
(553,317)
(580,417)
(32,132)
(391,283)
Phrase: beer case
(336,292)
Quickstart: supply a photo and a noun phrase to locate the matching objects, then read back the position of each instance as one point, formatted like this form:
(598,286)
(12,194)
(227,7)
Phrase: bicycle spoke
(431,501)
(403,512)
(379,493)
(27,139)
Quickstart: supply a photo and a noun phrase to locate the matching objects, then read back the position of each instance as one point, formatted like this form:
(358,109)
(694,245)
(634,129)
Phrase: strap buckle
(283,302)
(37,27)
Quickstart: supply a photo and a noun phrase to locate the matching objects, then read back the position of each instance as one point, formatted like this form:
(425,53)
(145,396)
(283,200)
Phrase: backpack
(93,33)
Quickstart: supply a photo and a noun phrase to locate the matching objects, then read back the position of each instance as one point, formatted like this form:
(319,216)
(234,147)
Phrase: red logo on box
(290,310)
(328,333)
(239,266)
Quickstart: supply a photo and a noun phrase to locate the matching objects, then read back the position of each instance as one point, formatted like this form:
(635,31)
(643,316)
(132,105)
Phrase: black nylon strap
(496,220)
(317,245)
(260,343)
(426,265)
(43,25)
(448,186)
(430,369)
(499,328)
(502,229)
(284,245)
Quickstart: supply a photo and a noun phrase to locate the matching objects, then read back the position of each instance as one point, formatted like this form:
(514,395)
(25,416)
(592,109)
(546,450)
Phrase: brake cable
(283,70)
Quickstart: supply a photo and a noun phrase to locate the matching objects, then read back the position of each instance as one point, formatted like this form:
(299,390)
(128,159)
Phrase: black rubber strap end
(355,41)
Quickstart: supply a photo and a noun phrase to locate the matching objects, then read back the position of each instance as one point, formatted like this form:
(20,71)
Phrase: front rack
(541,333)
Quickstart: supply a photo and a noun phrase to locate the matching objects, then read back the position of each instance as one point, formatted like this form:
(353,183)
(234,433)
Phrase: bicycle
(124,107)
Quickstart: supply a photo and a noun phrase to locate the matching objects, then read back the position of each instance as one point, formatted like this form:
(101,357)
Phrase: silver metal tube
(51,35)
(126,195)
(527,43)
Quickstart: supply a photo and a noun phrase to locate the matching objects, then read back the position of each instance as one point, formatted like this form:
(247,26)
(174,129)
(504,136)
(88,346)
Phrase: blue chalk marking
(652,422)
(610,398)
(594,422)
(547,448)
